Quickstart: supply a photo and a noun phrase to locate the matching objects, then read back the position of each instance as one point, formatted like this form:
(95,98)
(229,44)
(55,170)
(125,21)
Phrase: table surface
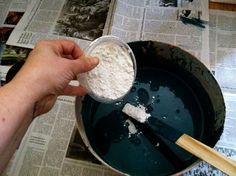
(221,6)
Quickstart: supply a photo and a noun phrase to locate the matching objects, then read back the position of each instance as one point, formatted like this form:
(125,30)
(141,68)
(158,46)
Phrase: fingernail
(94,60)
(83,57)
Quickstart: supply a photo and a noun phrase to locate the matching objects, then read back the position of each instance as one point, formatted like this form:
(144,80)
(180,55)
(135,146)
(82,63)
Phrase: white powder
(114,75)
(131,127)
(138,113)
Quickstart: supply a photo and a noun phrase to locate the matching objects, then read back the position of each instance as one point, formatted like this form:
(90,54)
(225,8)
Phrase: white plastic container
(113,78)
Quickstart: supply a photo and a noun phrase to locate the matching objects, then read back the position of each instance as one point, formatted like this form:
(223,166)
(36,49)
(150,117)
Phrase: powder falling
(114,75)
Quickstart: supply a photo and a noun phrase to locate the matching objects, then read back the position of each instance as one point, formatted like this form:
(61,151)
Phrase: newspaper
(52,145)
(129,20)
(50,19)
(223,65)
(223,48)
(11,13)
(160,20)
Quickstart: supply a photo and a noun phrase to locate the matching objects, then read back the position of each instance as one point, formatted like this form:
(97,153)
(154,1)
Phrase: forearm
(10,149)
(16,107)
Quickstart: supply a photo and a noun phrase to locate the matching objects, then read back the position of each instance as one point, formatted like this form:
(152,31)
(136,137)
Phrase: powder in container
(114,76)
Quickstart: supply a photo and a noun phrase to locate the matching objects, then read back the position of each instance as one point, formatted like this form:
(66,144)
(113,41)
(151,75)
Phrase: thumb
(84,64)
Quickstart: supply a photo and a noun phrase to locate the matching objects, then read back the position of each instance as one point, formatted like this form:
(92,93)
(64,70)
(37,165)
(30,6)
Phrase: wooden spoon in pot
(195,147)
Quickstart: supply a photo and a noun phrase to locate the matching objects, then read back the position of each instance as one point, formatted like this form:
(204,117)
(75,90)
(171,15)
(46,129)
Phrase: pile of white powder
(114,75)
(131,127)
(138,113)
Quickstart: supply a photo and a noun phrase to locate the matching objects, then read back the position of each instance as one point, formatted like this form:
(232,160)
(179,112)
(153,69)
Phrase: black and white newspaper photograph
(82,19)
(168,3)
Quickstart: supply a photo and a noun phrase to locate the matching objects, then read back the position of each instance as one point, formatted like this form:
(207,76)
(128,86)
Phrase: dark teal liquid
(167,98)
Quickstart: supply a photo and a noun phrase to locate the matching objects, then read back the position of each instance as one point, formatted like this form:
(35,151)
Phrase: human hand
(48,70)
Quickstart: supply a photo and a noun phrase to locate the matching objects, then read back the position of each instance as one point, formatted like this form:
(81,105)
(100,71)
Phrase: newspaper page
(82,21)
(11,13)
(160,20)
(132,20)
(223,65)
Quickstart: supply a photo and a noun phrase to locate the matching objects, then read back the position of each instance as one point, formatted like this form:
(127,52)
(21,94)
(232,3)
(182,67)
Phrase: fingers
(74,91)
(64,47)
(68,47)
(84,65)
(67,57)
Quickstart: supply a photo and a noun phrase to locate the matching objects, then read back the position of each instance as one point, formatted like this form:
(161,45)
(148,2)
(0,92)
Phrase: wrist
(28,88)
(24,90)
(19,96)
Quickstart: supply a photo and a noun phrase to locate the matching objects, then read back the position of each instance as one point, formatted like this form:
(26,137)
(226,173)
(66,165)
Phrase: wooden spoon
(183,140)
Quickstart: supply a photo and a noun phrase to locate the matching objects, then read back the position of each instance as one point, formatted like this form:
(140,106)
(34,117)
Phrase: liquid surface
(165,97)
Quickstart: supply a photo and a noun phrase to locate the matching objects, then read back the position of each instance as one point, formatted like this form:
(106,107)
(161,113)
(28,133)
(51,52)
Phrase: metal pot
(176,88)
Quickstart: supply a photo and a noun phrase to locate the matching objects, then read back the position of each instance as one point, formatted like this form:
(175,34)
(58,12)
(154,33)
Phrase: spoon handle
(207,154)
